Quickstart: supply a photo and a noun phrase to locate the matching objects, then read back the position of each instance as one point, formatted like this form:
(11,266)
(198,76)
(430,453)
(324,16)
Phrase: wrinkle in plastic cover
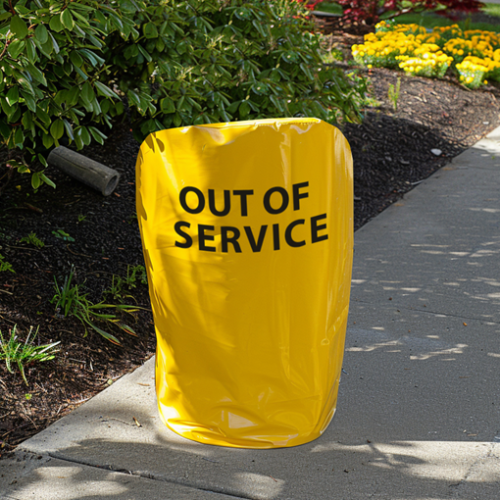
(247,232)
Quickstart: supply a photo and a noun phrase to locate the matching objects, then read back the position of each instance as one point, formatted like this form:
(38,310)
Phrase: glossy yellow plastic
(247,232)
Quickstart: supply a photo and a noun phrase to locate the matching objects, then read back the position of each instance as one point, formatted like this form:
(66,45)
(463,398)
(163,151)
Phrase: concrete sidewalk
(419,409)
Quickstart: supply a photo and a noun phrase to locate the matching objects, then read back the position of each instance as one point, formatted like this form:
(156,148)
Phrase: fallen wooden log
(89,172)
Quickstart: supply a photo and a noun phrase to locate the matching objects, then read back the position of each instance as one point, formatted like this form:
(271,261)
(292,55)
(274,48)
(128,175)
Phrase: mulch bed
(392,153)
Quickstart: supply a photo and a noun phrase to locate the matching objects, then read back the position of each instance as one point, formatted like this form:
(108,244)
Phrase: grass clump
(13,351)
(5,266)
(71,302)
(32,239)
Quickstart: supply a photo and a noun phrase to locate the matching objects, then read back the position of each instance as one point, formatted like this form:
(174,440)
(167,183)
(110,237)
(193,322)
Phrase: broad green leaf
(160,45)
(24,82)
(54,43)
(41,33)
(18,27)
(117,22)
(95,41)
(76,59)
(96,108)
(87,94)
(57,129)
(47,47)
(131,52)
(94,59)
(77,31)
(233,107)
(73,95)
(67,19)
(105,91)
(30,102)
(119,108)
(36,74)
(80,6)
(180,103)
(149,30)
(80,18)
(7,108)
(69,129)
(61,97)
(81,73)
(167,105)
(97,137)
(35,180)
(152,108)
(31,51)
(305,69)
(43,116)
(42,159)
(63,71)
(134,98)
(27,120)
(83,134)
(45,179)
(5,129)
(47,141)
(19,138)
(12,96)
(16,115)
(56,24)
(106,105)
(15,48)
(244,109)
(78,142)
(144,53)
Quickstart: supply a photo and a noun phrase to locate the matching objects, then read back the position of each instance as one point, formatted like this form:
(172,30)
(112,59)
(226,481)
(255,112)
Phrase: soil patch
(393,151)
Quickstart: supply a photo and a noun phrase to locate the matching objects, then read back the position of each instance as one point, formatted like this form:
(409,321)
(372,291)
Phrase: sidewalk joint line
(462,481)
(153,477)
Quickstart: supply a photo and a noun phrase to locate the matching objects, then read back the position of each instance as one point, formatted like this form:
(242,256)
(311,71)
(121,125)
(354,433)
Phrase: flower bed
(474,54)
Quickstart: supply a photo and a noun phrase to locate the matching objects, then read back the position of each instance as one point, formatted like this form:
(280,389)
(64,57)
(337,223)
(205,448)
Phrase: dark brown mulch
(106,244)
(392,153)
(393,150)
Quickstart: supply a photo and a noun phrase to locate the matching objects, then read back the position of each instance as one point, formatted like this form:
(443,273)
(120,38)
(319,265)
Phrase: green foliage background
(68,67)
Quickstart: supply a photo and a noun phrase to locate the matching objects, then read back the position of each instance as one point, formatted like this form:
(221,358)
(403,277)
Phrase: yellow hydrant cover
(247,232)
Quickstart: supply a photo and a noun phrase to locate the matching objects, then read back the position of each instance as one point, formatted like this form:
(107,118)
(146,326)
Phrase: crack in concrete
(397,306)
(457,486)
(146,475)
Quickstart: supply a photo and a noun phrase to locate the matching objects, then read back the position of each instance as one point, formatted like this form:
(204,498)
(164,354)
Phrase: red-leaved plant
(367,13)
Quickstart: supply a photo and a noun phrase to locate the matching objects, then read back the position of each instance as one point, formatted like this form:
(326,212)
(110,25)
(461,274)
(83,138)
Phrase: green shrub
(216,61)
(50,71)
(64,67)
